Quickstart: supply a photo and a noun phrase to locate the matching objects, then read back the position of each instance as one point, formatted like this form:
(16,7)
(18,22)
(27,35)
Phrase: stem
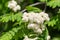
(35,4)
(23,10)
(45,6)
(31,5)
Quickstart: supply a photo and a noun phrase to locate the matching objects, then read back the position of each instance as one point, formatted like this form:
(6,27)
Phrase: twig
(45,5)
(31,5)
(44,8)
(23,10)
(35,4)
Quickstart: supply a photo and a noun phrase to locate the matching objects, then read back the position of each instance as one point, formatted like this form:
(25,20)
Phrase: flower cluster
(27,38)
(36,27)
(35,17)
(35,20)
(13,5)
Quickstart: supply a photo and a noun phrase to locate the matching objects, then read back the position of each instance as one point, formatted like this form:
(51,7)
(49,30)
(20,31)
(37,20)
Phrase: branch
(35,4)
(45,6)
(31,5)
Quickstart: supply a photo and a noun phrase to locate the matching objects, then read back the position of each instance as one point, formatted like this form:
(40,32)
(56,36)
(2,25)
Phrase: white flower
(25,19)
(42,27)
(39,31)
(26,38)
(31,17)
(48,37)
(45,16)
(16,8)
(43,13)
(12,4)
(36,21)
(34,17)
(39,19)
(36,27)
(33,26)
(25,14)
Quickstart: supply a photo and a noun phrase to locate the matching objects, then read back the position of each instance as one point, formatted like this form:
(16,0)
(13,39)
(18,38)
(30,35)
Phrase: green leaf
(56,38)
(52,22)
(45,33)
(54,3)
(34,9)
(9,35)
(0,6)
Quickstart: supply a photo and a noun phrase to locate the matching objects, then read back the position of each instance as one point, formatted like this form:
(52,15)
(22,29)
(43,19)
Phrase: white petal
(18,7)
